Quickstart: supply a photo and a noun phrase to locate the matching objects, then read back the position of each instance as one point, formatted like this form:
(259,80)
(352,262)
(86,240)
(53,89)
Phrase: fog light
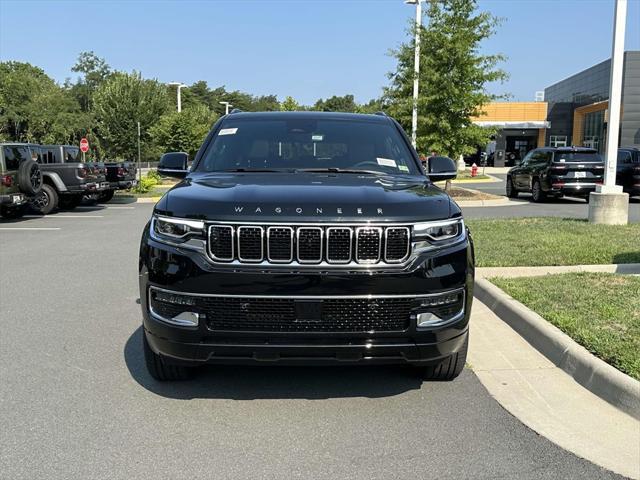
(439,301)
(427,319)
(173,298)
(189,319)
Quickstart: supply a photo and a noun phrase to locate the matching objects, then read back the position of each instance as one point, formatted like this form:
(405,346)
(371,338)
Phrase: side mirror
(441,168)
(174,164)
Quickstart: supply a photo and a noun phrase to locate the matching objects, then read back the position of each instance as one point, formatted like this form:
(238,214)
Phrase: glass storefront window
(593,130)
(558,141)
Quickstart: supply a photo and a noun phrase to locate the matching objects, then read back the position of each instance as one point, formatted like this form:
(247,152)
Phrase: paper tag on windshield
(317,138)
(387,162)
(227,131)
(403,168)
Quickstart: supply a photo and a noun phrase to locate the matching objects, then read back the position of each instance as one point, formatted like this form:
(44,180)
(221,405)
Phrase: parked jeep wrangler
(306,237)
(66,178)
(121,176)
(20,179)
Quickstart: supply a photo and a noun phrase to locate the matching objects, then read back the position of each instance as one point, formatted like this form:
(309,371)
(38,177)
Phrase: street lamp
(416,70)
(226,107)
(180,85)
(609,204)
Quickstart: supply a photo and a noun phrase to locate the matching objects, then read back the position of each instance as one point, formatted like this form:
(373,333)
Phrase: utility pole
(416,70)
(609,204)
(139,171)
(179,86)
(226,107)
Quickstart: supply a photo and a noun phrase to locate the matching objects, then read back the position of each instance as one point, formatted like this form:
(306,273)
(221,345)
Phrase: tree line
(105,105)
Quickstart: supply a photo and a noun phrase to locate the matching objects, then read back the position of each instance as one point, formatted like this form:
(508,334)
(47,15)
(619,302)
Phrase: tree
(94,70)
(122,101)
(289,105)
(453,78)
(183,131)
(336,103)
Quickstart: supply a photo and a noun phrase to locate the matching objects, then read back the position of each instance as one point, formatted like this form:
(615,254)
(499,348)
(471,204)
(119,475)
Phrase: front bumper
(13,199)
(174,270)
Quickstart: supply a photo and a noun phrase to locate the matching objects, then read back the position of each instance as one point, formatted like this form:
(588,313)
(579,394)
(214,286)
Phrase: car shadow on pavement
(273,381)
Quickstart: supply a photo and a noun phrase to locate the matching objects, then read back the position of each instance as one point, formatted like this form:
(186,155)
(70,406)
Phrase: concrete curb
(510,272)
(490,203)
(613,386)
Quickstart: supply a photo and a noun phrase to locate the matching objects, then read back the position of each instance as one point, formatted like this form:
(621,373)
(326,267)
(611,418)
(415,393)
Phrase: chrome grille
(310,244)
(333,245)
(250,246)
(339,244)
(368,244)
(280,244)
(396,244)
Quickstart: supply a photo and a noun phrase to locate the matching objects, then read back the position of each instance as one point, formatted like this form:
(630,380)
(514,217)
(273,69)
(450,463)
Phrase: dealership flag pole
(608,204)
(416,71)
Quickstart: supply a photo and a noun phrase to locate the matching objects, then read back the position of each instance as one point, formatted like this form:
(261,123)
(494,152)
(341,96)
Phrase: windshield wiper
(339,170)
(251,170)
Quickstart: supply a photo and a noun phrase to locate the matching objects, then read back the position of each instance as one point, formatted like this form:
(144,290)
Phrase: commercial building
(574,112)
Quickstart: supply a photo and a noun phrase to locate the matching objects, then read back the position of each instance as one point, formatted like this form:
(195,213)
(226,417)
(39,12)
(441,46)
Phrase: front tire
(160,370)
(511,189)
(450,367)
(537,195)
(46,201)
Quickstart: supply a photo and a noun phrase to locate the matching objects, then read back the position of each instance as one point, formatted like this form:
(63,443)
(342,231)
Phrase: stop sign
(84,145)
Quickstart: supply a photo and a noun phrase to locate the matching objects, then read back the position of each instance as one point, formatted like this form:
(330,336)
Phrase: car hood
(306,197)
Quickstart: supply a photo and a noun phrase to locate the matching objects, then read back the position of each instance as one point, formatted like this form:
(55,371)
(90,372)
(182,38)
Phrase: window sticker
(403,168)
(317,138)
(387,162)
(227,131)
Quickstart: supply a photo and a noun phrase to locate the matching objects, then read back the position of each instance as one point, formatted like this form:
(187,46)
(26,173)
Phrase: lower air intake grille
(287,315)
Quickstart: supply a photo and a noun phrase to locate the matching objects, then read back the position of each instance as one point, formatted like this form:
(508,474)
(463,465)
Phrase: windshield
(301,144)
(578,157)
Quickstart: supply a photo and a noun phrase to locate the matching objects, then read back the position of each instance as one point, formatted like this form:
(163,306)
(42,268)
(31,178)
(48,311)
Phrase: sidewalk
(549,401)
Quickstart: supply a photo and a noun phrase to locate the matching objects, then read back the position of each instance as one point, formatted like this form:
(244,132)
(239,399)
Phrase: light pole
(609,204)
(416,69)
(179,86)
(226,107)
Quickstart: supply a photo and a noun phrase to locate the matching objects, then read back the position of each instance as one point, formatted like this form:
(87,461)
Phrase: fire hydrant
(474,170)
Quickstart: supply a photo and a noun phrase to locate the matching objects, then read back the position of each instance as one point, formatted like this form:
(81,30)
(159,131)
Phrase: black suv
(628,170)
(572,171)
(306,237)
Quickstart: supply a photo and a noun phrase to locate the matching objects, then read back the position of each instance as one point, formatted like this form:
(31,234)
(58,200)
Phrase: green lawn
(552,241)
(599,311)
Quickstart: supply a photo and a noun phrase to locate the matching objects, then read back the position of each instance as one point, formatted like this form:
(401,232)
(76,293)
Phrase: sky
(308,49)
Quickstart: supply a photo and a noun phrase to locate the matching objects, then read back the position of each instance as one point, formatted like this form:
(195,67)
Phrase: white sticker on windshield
(387,162)
(403,168)
(317,138)
(227,131)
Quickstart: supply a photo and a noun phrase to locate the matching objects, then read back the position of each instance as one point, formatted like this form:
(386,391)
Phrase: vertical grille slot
(396,244)
(250,245)
(309,244)
(339,244)
(368,244)
(280,244)
(221,242)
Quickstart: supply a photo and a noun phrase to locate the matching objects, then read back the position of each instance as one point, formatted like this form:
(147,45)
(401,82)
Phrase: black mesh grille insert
(368,244)
(221,242)
(339,244)
(397,247)
(309,244)
(280,244)
(333,315)
(250,243)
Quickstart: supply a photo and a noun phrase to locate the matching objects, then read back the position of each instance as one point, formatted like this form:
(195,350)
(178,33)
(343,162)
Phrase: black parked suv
(306,237)
(628,171)
(572,171)
(20,179)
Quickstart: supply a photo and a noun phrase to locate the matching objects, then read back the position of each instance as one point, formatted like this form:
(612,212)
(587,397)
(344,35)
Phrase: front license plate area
(308,310)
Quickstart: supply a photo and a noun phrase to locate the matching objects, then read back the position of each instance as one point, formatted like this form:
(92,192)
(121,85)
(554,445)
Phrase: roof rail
(381,113)
(235,110)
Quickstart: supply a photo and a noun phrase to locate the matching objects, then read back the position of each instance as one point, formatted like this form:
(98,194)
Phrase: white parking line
(63,216)
(30,228)
(107,206)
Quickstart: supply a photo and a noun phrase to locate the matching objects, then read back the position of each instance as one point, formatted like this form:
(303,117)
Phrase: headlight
(439,233)
(177,228)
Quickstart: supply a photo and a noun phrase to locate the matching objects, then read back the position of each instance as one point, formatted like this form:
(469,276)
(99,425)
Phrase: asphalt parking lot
(77,402)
